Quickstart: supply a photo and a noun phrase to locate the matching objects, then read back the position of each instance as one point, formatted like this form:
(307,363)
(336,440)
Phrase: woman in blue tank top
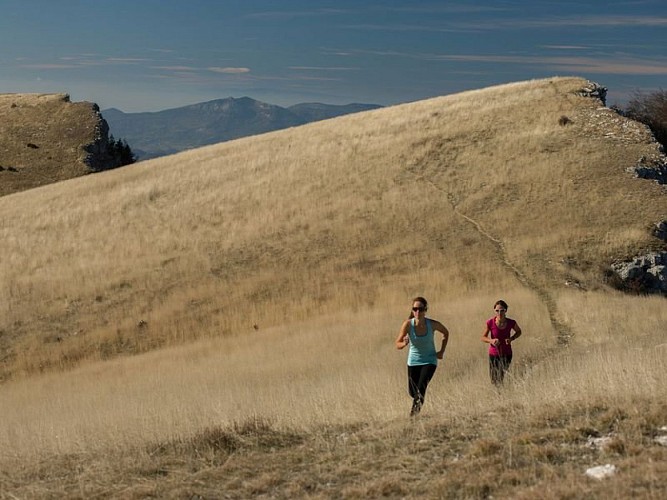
(418,333)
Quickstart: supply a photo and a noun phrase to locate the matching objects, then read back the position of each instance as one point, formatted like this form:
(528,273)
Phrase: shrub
(650,109)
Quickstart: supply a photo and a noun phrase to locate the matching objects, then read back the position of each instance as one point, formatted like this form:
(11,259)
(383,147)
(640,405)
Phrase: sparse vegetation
(226,327)
(651,110)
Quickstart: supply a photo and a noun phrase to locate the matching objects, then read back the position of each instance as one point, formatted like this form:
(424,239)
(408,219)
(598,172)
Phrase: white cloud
(230,71)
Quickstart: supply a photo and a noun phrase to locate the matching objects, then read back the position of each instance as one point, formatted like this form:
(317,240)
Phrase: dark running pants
(498,366)
(418,378)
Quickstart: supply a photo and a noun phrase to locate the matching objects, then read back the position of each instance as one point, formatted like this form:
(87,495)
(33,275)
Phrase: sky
(151,55)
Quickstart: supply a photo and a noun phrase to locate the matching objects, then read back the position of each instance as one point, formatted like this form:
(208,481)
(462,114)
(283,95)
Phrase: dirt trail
(563,331)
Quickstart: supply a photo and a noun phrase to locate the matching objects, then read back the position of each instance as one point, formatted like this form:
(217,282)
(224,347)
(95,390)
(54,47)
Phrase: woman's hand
(403,338)
(402,343)
(440,354)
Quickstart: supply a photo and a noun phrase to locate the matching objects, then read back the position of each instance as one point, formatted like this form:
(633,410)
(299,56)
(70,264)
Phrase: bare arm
(486,337)
(439,327)
(517,333)
(403,338)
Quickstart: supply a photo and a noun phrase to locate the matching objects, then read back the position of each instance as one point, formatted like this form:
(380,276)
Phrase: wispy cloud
(586,64)
(175,68)
(388,53)
(322,68)
(50,66)
(605,21)
(622,65)
(292,14)
(614,67)
(450,28)
(162,51)
(126,60)
(316,79)
(83,61)
(602,20)
(564,47)
(456,26)
(228,70)
(448,8)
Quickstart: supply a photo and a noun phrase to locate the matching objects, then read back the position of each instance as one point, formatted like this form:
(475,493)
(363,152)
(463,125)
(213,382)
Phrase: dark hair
(418,299)
(501,303)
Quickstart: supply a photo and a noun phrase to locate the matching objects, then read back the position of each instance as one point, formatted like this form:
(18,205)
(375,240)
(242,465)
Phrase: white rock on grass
(661,440)
(599,443)
(601,471)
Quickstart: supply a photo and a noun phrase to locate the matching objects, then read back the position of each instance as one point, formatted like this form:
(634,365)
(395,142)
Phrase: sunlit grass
(194,298)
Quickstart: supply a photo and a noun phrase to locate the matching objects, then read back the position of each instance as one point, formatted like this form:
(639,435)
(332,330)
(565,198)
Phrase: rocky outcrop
(660,230)
(656,172)
(46,138)
(594,90)
(643,274)
(100,154)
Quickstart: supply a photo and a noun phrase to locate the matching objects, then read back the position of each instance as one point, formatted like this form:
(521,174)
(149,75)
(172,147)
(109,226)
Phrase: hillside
(320,217)
(223,325)
(161,133)
(45,138)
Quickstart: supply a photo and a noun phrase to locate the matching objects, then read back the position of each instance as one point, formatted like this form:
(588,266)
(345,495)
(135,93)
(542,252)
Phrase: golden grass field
(131,366)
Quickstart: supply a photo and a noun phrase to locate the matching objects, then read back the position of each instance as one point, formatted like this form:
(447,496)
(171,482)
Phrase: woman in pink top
(498,334)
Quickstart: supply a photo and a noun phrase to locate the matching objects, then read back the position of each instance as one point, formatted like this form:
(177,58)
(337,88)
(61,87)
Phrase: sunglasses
(421,309)
(499,310)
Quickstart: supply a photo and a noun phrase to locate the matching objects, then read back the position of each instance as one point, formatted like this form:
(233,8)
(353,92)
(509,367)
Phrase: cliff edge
(46,138)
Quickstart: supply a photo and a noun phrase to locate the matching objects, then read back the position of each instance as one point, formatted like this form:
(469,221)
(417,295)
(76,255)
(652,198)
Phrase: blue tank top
(422,347)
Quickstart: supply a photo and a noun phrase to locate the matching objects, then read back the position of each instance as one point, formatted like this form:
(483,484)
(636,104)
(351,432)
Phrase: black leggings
(498,366)
(418,378)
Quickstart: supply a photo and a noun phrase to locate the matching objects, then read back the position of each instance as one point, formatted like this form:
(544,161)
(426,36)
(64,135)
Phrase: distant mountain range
(161,133)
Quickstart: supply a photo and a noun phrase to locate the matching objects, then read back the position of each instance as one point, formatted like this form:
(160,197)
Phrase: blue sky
(149,55)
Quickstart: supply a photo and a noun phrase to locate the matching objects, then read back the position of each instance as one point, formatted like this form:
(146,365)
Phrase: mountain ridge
(159,133)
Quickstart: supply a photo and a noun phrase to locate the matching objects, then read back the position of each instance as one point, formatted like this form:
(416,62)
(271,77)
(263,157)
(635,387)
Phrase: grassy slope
(56,129)
(462,198)
(323,217)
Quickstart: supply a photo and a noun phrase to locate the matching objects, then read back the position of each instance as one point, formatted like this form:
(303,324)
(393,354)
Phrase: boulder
(645,274)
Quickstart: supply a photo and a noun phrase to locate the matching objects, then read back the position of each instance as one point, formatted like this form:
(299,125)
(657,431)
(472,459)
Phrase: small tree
(124,152)
(651,110)
(120,150)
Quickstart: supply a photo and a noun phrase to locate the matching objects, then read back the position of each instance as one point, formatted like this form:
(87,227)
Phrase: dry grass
(42,139)
(321,235)
(362,210)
